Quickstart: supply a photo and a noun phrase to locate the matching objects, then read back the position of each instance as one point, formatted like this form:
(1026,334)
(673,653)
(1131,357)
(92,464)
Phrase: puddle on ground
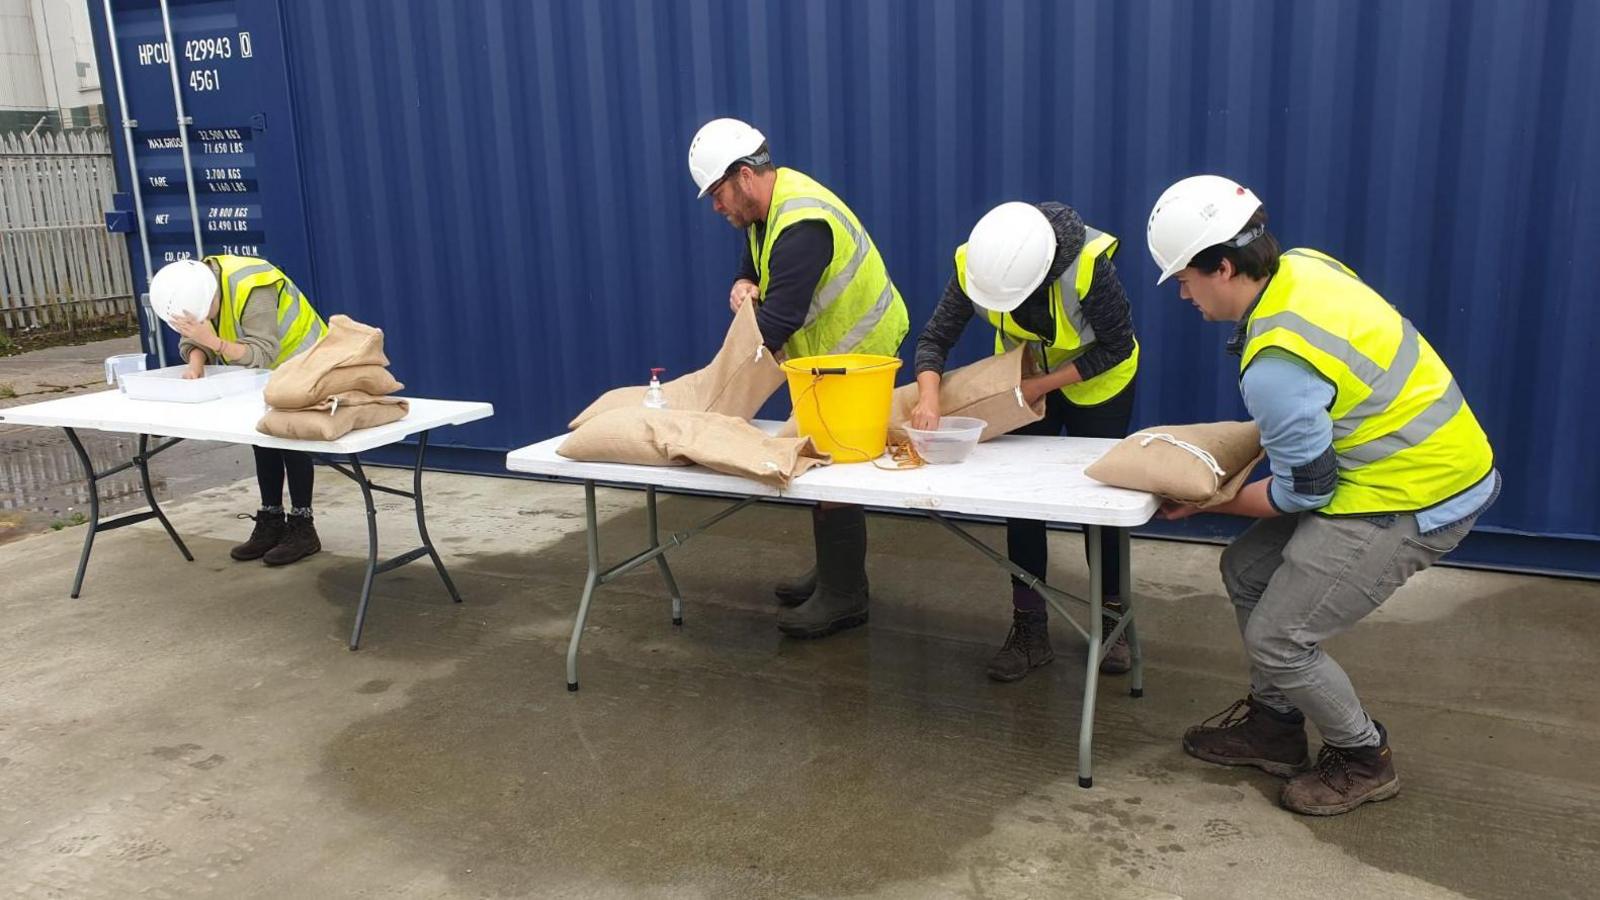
(42,482)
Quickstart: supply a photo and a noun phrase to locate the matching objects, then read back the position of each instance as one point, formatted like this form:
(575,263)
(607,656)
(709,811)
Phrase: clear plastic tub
(123,364)
(169,384)
(951,443)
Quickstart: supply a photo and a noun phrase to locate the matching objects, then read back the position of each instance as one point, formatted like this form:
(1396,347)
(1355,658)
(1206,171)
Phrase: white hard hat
(1198,212)
(1008,255)
(187,285)
(717,145)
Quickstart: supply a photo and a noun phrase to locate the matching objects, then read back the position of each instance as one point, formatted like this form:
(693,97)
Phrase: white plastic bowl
(951,443)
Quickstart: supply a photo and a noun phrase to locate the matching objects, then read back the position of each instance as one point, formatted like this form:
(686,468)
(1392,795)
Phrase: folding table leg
(94,510)
(1135,653)
(1091,680)
(661,560)
(143,459)
(360,478)
(422,522)
(592,524)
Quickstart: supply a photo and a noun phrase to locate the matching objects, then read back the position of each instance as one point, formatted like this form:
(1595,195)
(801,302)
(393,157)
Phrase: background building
(48,77)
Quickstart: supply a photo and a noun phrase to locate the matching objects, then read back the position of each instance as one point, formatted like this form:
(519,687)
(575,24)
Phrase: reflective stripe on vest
(855,307)
(299,325)
(1074,335)
(1402,431)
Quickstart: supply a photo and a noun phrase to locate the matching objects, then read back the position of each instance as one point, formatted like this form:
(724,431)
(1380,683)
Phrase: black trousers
(271,468)
(1025,538)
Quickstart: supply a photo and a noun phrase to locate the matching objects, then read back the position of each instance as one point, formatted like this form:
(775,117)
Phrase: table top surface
(229,419)
(1010,476)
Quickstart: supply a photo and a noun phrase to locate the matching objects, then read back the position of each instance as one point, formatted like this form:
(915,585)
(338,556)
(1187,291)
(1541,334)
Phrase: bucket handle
(839,370)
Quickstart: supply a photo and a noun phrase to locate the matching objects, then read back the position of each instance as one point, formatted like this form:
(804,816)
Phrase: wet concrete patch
(1453,763)
(719,739)
(720,759)
(795,776)
(42,481)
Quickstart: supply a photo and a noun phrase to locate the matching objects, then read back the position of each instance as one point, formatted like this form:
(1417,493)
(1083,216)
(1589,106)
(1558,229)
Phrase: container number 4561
(204,80)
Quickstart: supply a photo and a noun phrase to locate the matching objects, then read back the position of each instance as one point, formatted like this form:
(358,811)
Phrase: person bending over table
(255,317)
(1040,276)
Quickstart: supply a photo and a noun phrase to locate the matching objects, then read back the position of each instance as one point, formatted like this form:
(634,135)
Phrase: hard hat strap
(1243,238)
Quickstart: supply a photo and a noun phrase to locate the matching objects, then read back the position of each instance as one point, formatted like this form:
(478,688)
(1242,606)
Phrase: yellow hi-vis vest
(855,308)
(299,326)
(1403,433)
(1073,336)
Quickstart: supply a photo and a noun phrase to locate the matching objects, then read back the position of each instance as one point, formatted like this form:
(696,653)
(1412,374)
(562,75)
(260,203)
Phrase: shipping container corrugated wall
(502,185)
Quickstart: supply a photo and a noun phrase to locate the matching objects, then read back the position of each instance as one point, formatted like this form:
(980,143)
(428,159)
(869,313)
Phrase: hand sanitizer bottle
(654,398)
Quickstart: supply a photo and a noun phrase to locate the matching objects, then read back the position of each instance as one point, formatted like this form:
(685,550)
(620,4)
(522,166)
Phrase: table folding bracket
(141,461)
(353,470)
(656,551)
(1098,644)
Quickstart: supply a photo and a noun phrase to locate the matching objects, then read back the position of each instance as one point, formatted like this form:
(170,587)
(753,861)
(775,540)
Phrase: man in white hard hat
(1379,468)
(1040,276)
(820,287)
(244,311)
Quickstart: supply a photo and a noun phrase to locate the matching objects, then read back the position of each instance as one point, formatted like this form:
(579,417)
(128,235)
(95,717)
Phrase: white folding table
(233,420)
(1009,477)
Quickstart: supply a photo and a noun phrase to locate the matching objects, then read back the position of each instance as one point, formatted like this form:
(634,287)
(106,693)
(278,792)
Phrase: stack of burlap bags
(706,420)
(337,386)
(707,416)
(1205,465)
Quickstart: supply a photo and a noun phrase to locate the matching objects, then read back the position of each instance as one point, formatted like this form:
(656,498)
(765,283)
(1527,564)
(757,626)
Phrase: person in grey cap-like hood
(1042,277)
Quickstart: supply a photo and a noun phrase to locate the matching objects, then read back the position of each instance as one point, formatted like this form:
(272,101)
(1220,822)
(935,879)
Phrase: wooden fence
(59,268)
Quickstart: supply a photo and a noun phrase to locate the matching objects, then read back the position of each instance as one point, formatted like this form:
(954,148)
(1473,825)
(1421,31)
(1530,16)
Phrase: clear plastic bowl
(951,443)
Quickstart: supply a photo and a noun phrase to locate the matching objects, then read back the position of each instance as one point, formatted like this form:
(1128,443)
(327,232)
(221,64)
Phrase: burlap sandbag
(989,389)
(334,417)
(675,437)
(739,379)
(304,380)
(1150,460)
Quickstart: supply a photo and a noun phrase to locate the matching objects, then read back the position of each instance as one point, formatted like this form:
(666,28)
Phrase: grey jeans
(1296,581)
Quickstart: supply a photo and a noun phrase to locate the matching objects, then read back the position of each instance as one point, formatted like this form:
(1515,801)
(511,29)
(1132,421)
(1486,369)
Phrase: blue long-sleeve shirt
(1289,402)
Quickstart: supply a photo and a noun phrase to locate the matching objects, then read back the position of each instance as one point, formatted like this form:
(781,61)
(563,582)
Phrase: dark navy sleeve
(799,257)
(949,320)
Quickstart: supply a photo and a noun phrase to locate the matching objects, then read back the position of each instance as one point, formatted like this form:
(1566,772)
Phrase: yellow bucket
(842,402)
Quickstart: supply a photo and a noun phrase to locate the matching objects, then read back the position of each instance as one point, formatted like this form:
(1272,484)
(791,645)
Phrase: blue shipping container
(502,186)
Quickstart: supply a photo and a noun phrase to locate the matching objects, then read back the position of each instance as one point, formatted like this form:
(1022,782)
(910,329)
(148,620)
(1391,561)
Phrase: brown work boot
(1027,646)
(1258,736)
(1343,779)
(795,591)
(266,535)
(299,541)
(1119,659)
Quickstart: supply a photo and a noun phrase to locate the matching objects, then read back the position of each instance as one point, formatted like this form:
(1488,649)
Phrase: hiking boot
(299,541)
(266,535)
(1027,646)
(1343,779)
(840,599)
(1251,734)
(1119,659)
(795,591)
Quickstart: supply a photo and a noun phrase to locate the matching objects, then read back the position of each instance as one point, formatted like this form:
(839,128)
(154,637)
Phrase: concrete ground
(200,729)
